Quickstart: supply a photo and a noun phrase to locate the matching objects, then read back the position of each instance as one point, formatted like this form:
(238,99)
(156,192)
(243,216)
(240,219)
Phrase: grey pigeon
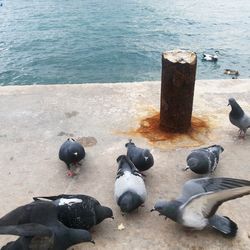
(196,207)
(204,160)
(38,227)
(79,211)
(238,117)
(142,158)
(71,152)
(130,190)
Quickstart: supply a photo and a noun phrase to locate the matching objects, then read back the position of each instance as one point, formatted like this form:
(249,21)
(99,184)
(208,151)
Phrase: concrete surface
(35,121)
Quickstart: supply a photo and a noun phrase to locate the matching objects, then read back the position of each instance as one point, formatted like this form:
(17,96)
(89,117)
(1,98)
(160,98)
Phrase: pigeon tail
(224,225)
(129,143)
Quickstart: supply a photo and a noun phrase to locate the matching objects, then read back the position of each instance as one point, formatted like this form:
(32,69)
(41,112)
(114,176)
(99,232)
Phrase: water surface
(86,41)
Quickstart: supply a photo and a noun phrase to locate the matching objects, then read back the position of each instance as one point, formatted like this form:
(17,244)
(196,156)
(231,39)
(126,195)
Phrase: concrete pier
(36,120)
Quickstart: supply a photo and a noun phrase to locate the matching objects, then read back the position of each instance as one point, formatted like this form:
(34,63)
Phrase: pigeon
(142,158)
(38,227)
(238,117)
(130,190)
(71,152)
(209,57)
(79,211)
(196,207)
(204,160)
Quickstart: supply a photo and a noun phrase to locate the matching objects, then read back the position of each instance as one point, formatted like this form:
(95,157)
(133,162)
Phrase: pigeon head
(231,101)
(220,147)
(79,235)
(102,213)
(129,201)
(236,111)
(167,208)
(159,206)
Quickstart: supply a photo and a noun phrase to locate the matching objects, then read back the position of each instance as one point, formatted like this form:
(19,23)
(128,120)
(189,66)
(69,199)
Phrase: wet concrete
(36,120)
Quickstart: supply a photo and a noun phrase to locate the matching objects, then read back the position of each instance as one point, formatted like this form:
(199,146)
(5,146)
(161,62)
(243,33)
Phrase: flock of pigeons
(58,222)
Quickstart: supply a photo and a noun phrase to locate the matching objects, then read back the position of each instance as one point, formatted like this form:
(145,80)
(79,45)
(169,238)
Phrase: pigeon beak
(146,158)
(152,210)
(186,168)
(92,241)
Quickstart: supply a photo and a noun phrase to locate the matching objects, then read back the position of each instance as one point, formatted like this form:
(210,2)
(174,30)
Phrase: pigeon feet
(188,231)
(71,173)
(76,164)
(242,134)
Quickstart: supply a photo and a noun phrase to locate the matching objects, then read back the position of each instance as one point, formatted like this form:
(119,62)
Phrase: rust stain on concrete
(149,128)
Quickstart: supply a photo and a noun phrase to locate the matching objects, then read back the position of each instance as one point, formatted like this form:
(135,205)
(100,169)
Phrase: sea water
(87,41)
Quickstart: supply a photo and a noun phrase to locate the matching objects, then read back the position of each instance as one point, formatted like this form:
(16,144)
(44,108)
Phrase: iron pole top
(180,56)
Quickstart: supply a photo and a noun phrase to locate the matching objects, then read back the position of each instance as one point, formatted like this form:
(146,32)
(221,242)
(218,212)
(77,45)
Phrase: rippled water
(77,41)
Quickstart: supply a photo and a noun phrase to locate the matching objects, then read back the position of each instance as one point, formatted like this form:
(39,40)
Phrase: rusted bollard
(177,90)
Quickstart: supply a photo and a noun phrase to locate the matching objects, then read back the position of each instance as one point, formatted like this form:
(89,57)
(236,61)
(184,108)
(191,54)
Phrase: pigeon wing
(205,205)
(15,217)
(245,121)
(30,229)
(63,150)
(77,216)
(84,198)
(203,185)
(35,212)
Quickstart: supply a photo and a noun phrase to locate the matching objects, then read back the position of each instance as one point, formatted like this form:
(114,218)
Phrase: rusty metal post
(177,90)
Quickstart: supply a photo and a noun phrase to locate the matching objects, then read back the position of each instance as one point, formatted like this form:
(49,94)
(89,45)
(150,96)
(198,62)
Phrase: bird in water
(204,160)
(38,227)
(71,152)
(78,211)
(130,190)
(234,73)
(210,57)
(238,117)
(142,158)
(200,199)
